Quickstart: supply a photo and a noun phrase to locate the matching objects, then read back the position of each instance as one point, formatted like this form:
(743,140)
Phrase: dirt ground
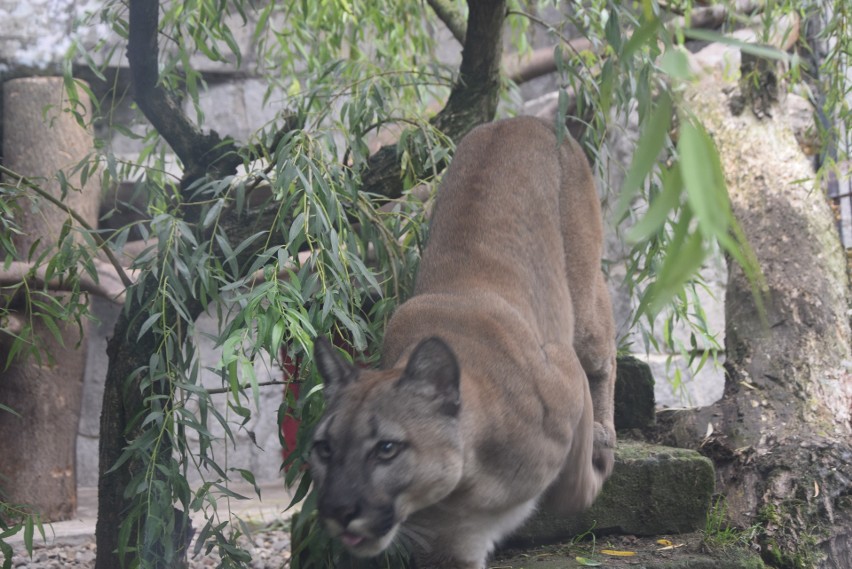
(658,552)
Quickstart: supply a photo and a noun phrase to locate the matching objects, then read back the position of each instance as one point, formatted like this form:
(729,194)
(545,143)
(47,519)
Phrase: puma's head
(388,444)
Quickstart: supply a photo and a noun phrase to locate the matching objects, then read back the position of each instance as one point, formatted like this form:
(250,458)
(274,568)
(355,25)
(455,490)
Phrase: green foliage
(636,74)
(15,519)
(718,532)
(31,299)
(313,276)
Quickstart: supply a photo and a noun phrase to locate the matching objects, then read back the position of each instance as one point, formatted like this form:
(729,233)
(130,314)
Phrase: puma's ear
(336,372)
(433,372)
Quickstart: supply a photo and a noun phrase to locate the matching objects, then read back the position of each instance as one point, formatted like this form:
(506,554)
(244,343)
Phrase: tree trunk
(122,401)
(38,448)
(473,100)
(781,432)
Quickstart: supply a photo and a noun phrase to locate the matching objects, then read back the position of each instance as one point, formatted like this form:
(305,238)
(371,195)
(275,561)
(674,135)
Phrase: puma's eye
(387,450)
(322,449)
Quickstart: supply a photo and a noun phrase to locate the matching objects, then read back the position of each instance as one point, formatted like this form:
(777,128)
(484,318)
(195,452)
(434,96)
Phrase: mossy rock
(653,490)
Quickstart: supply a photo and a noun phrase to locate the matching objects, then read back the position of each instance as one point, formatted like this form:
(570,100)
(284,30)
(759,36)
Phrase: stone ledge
(653,490)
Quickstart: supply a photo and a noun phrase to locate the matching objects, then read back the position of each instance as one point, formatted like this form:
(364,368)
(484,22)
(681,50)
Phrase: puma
(496,389)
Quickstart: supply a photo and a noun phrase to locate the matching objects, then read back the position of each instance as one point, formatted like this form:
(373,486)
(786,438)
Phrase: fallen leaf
(617,553)
(584,561)
(666,548)
(816,489)
(664,542)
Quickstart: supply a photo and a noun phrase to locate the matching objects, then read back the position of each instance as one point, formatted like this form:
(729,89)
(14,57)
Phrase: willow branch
(23,180)
(221,390)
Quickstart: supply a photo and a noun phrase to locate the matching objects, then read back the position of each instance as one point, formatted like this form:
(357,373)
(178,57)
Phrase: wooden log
(38,446)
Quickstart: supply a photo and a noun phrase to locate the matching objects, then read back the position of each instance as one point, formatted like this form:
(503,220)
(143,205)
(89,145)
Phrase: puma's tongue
(350,539)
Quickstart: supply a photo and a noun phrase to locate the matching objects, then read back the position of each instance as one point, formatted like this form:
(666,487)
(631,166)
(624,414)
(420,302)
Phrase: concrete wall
(36,33)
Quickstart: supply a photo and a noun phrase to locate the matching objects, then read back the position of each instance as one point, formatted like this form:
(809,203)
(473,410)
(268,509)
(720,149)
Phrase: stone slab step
(653,490)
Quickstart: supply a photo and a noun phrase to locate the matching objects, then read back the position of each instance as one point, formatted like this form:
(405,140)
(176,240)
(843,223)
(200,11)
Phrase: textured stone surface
(652,490)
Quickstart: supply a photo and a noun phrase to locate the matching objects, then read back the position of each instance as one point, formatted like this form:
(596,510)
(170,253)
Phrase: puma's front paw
(603,455)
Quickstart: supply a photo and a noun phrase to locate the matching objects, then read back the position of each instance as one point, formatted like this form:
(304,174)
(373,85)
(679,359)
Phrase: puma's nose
(345,513)
(339,500)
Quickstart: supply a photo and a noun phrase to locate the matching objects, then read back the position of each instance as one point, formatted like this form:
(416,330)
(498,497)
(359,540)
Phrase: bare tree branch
(474,97)
(198,151)
(452,18)
(521,68)
(108,284)
(712,17)
(746,7)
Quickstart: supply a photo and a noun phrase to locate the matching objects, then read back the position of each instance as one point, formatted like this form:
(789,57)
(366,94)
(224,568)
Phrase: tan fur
(515,401)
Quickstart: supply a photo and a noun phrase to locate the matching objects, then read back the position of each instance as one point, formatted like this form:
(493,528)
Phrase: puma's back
(498,372)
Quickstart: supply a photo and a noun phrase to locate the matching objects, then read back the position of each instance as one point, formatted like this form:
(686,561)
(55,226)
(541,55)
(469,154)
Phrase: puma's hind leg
(594,343)
(594,327)
(579,480)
